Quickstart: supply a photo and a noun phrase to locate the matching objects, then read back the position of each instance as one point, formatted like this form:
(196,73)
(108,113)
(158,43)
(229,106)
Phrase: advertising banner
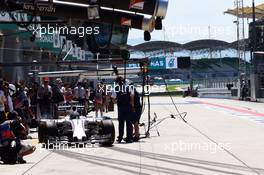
(137,4)
(157,63)
(160,63)
(171,63)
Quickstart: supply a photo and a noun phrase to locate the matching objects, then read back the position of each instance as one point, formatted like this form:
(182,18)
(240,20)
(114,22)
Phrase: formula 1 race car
(75,128)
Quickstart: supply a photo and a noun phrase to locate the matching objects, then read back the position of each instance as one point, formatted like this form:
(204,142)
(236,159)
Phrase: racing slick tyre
(108,128)
(70,137)
(42,134)
(9,158)
(8,155)
(52,129)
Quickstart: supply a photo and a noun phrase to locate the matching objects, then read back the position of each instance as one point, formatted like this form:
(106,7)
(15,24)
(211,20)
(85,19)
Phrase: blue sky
(189,20)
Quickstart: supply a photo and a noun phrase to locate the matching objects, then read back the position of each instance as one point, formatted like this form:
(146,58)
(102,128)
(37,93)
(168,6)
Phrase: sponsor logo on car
(126,22)
(137,4)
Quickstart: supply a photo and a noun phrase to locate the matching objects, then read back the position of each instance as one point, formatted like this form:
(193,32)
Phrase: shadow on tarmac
(123,165)
(195,163)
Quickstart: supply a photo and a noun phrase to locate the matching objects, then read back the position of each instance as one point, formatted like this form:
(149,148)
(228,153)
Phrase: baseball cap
(45,79)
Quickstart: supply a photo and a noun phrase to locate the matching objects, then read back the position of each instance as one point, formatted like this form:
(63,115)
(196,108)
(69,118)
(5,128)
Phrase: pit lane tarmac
(236,126)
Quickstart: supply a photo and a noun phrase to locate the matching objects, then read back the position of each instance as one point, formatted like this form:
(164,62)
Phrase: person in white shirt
(60,85)
(9,103)
(79,93)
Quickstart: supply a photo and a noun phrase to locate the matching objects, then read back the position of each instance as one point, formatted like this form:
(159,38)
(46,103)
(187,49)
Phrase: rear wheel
(108,128)
(70,137)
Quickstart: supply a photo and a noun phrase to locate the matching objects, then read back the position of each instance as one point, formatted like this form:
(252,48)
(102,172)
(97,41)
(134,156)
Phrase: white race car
(76,128)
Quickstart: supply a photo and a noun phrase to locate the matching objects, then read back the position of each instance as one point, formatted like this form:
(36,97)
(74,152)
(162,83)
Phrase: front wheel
(42,132)
(8,155)
(108,128)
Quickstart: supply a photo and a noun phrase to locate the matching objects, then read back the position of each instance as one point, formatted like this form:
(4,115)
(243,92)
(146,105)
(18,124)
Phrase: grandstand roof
(154,45)
(206,44)
(197,45)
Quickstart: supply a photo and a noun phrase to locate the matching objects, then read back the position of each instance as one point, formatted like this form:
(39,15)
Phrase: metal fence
(217,83)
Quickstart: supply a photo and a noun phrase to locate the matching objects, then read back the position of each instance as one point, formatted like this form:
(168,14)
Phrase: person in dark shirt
(136,115)
(125,104)
(45,99)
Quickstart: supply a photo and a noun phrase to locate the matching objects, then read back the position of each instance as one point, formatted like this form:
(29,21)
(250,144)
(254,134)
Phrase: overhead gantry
(145,15)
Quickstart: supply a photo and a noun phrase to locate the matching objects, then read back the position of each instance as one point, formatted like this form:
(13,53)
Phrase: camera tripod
(155,122)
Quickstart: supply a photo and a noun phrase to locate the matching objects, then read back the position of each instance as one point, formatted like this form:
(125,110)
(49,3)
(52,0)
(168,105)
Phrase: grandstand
(205,44)
(201,66)
(203,69)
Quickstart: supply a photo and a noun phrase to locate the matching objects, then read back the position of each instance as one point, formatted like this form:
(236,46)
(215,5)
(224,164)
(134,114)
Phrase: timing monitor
(110,36)
(184,62)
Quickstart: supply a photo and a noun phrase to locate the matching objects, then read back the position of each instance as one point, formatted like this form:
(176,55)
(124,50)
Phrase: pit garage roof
(248,12)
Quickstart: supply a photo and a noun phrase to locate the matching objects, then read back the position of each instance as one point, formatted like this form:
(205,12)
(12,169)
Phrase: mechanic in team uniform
(45,99)
(57,96)
(137,111)
(13,148)
(79,93)
(125,104)
(99,100)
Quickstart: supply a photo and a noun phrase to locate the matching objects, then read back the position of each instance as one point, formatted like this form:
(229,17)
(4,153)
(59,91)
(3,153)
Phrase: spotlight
(158,23)
(147,36)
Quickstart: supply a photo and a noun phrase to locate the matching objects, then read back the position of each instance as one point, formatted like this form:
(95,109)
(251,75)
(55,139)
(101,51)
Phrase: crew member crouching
(12,149)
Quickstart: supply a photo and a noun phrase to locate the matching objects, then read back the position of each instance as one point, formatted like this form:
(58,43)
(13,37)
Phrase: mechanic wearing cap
(45,96)
(58,91)
(125,104)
